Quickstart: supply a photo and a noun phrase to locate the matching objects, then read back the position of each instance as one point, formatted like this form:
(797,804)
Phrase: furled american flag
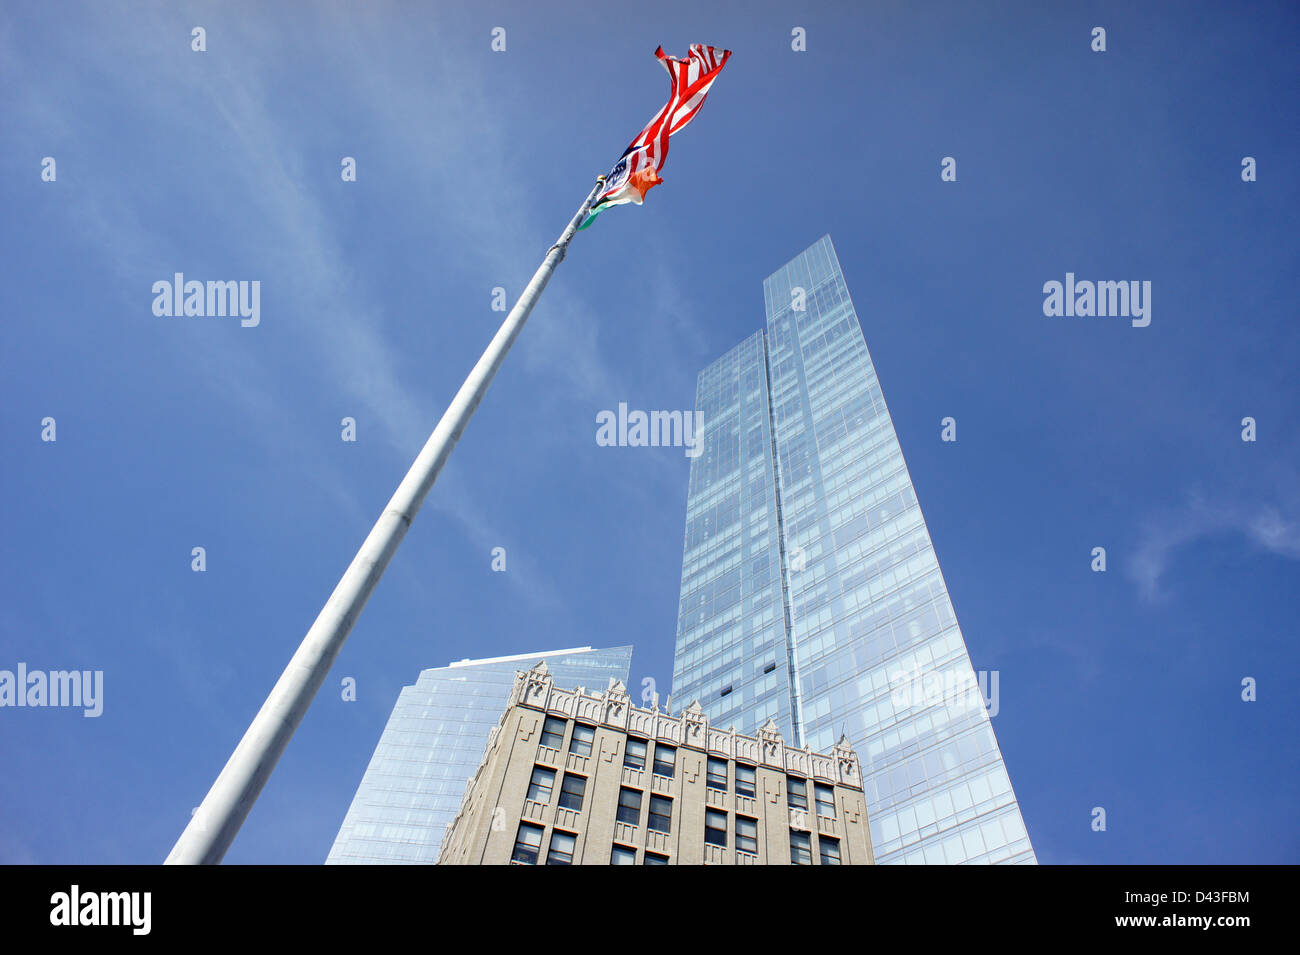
(637,170)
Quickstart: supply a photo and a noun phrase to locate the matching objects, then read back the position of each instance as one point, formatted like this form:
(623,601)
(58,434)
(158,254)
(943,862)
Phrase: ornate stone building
(572,778)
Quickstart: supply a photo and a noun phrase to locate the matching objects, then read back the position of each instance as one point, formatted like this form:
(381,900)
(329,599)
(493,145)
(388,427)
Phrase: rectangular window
(629,806)
(665,760)
(715,827)
(825,800)
(527,844)
(717,778)
(747,834)
(744,780)
(797,793)
(652,858)
(634,755)
(571,791)
(582,737)
(553,732)
(622,855)
(661,814)
(830,850)
(543,781)
(561,848)
(800,848)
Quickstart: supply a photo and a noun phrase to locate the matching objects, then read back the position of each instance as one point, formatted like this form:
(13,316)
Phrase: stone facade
(559,783)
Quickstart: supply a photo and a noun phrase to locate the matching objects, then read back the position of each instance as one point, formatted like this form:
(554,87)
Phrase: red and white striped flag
(637,170)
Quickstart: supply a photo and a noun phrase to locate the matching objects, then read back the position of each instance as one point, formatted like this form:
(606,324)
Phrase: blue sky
(1120,690)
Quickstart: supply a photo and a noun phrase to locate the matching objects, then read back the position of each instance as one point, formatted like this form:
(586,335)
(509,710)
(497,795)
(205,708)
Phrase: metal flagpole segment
(223,810)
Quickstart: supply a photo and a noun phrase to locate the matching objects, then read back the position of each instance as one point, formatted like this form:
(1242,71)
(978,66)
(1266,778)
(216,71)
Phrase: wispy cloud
(1273,526)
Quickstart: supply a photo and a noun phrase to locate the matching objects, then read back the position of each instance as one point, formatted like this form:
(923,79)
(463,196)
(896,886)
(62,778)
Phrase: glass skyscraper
(434,742)
(811,593)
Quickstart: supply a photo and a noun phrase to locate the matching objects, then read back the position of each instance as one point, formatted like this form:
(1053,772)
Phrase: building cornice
(614,709)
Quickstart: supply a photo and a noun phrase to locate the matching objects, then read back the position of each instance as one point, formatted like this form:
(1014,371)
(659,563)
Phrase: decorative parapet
(771,748)
(614,709)
(533,686)
(847,765)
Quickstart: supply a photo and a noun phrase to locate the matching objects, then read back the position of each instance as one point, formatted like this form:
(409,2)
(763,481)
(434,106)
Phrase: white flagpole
(223,810)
